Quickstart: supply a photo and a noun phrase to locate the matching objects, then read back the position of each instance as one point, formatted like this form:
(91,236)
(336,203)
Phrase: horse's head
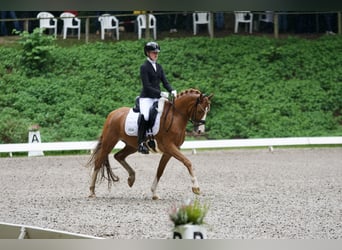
(198,105)
(202,107)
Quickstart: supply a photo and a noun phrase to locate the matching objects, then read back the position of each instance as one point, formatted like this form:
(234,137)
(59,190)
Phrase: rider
(151,74)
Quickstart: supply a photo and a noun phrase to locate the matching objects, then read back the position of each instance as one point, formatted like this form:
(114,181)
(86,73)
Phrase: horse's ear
(205,95)
(210,96)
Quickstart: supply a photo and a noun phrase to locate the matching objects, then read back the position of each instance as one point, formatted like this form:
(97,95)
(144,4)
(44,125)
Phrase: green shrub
(262,87)
(13,128)
(36,54)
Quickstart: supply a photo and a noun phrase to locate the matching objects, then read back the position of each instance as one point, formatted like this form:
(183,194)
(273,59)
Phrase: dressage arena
(253,194)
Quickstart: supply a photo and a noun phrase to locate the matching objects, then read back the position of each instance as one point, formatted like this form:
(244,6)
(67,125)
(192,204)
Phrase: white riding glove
(164,94)
(174,93)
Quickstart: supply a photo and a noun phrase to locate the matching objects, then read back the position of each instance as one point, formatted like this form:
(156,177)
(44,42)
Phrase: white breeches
(145,105)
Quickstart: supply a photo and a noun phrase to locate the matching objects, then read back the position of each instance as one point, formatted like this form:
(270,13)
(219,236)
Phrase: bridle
(194,111)
(196,123)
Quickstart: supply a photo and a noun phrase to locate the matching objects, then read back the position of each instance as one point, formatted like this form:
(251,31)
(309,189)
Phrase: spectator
(328,18)
(186,20)
(219,20)
(31,23)
(305,23)
(283,22)
(7,15)
(173,22)
(97,23)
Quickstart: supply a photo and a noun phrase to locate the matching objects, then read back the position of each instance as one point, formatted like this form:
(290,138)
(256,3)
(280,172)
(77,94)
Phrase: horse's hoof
(92,196)
(155,197)
(196,190)
(130,181)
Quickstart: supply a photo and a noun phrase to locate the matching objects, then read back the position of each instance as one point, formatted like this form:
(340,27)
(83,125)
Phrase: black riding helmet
(151,47)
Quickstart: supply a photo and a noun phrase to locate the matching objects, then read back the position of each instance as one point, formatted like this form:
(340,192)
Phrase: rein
(173,114)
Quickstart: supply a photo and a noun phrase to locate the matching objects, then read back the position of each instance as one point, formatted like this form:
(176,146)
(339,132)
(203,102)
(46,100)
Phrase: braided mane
(189,91)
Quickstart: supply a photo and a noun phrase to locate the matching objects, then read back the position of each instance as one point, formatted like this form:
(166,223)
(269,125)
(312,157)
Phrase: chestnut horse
(189,105)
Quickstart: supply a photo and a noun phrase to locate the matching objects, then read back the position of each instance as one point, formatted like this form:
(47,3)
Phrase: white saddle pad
(131,123)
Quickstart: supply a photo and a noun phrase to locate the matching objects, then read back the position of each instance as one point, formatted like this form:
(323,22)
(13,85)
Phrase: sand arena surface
(253,194)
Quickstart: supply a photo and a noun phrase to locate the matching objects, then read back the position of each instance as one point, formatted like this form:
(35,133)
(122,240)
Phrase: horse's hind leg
(121,158)
(93,182)
(162,164)
(100,161)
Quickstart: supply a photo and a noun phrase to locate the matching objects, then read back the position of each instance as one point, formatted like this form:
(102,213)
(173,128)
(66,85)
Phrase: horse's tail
(99,160)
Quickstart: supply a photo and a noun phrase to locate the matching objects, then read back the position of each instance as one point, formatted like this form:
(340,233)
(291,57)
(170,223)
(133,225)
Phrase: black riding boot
(142,126)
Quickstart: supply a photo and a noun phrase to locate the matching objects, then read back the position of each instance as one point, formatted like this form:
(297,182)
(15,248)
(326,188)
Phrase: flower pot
(189,231)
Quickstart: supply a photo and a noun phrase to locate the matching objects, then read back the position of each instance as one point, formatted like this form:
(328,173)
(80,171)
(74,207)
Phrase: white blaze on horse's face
(201,128)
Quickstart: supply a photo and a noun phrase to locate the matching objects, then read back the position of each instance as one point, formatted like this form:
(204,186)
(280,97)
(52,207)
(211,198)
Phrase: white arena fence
(18,231)
(197,144)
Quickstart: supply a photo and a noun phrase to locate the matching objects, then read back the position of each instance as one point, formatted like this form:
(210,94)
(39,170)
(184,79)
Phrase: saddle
(131,123)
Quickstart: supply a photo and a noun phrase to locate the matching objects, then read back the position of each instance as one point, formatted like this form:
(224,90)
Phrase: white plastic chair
(201,18)
(141,22)
(245,17)
(70,21)
(47,21)
(109,22)
(266,17)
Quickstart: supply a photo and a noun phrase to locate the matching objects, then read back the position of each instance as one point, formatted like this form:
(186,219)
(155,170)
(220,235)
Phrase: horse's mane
(189,91)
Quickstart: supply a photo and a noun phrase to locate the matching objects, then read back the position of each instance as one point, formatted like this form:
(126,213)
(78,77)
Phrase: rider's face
(153,55)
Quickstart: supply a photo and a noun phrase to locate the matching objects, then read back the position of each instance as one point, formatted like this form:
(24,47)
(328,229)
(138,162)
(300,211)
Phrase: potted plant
(188,220)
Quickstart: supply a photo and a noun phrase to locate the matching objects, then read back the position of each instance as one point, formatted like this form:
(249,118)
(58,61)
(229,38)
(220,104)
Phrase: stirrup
(151,143)
(143,149)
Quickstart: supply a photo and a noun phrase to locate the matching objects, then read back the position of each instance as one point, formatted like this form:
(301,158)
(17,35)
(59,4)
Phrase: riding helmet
(151,47)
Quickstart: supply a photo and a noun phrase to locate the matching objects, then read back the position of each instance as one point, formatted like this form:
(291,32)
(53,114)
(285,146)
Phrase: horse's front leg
(175,152)
(162,164)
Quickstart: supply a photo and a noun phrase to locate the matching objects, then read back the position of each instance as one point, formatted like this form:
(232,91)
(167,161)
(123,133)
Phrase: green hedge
(263,87)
